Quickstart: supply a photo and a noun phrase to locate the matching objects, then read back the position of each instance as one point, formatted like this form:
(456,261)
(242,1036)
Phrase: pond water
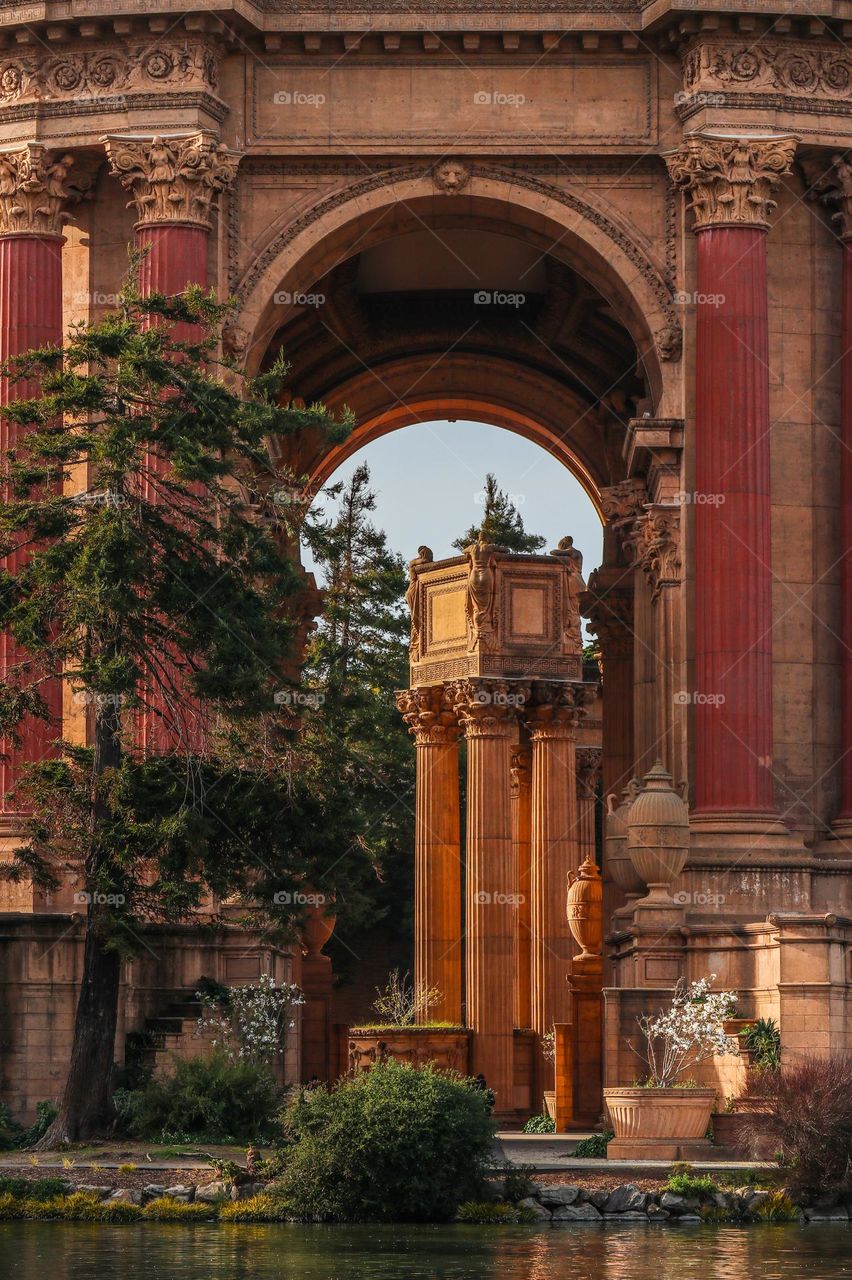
(59,1251)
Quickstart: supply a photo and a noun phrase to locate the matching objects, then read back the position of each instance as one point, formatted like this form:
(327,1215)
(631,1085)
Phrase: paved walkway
(552,1153)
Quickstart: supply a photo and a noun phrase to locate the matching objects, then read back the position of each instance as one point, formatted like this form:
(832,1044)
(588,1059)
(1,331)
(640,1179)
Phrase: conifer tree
(501,523)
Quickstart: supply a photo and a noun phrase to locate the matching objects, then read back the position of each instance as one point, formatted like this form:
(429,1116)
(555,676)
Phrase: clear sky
(428,481)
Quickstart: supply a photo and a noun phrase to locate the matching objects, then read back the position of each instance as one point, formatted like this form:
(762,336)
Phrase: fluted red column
(843,823)
(30,316)
(437,855)
(731,183)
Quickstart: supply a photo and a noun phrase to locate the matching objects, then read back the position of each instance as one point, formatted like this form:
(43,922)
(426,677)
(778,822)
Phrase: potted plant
(667,1115)
(402,1031)
(760,1044)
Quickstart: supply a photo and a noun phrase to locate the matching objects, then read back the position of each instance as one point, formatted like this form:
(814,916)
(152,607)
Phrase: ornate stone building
(622,230)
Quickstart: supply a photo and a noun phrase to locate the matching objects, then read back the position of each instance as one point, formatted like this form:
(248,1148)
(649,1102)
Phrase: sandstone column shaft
(437,879)
(522,838)
(490,915)
(845,815)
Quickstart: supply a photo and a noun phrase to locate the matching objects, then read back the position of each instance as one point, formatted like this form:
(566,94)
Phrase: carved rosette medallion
(105,71)
(429,714)
(172,178)
(794,69)
(731,181)
(835,191)
(486,708)
(35,188)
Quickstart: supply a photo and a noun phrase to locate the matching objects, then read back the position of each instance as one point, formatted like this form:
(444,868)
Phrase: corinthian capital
(34,191)
(731,181)
(429,715)
(172,178)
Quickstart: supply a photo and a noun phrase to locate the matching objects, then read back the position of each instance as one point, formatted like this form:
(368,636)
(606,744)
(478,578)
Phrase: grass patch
(260,1208)
(486,1213)
(167,1209)
(683,1181)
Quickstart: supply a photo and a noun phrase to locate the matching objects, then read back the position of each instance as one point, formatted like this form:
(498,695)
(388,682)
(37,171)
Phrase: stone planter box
(659,1124)
(446,1048)
(726,1131)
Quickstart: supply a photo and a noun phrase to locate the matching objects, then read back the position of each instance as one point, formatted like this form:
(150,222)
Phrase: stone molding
(835,191)
(731,181)
(95,72)
(172,178)
(429,714)
(35,188)
(800,70)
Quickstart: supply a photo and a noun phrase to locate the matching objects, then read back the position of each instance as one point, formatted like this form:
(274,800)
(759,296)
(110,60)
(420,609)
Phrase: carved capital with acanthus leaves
(731,181)
(658,547)
(173,178)
(555,711)
(36,187)
(488,708)
(429,714)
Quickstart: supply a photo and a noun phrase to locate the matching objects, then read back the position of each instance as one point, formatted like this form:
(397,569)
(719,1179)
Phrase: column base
(735,837)
(837,842)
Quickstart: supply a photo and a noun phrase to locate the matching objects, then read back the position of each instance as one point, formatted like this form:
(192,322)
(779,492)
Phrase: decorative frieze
(105,71)
(35,188)
(802,70)
(731,181)
(173,178)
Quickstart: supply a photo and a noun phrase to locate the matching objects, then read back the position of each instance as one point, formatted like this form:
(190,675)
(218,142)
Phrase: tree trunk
(86,1106)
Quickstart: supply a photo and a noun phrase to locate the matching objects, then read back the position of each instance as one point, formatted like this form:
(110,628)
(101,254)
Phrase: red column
(733,581)
(30,316)
(843,823)
(731,183)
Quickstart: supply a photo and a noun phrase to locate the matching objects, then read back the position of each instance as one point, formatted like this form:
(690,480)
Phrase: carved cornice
(835,191)
(803,71)
(35,187)
(731,181)
(486,708)
(102,71)
(429,715)
(174,178)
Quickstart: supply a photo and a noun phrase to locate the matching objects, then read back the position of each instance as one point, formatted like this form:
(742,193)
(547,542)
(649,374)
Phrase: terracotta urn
(585,909)
(658,834)
(317,930)
(657,1123)
(618,862)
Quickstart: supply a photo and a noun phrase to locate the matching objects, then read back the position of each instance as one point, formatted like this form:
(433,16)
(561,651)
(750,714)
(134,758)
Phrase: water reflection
(41,1251)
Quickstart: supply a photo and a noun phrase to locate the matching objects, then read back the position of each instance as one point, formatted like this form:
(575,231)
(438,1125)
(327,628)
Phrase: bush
(763,1040)
(518,1182)
(206,1098)
(805,1109)
(167,1209)
(34,1189)
(14,1136)
(394,1144)
(593,1148)
(778,1207)
(683,1182)
(262,1208)
(540,1124)
(486,1212)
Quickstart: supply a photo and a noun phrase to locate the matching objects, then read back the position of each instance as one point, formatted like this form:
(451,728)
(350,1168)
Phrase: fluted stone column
(657,550)
(588,772)
(485,713)
(174,181)
(522,842)
(731,184)
(555,848)
(437,851)
(34,192)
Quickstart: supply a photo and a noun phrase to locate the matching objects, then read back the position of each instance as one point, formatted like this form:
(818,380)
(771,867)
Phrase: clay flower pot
(585,909)
(658,834)
(657,1121)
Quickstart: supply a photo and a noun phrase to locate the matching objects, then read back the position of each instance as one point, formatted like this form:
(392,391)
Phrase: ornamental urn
(658,834)
(618,862)
(585,909)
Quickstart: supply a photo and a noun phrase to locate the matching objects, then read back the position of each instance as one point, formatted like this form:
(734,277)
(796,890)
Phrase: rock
(124,1195)
(88,1188)
(721,1200)
(153,1191)
(597,1197)
(838,1214)
(184,1193)
(577,1213)
(674,1203)
(555,1197)
(211,1192)
(689,1217)
(627,1215)
(246,1190)
(657,1214)
(755,1199)
(541,1214)
(625,1198)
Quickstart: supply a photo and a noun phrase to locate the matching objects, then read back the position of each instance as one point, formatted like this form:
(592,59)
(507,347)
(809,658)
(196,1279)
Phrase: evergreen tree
(501,523)
(355,744)
(154,590)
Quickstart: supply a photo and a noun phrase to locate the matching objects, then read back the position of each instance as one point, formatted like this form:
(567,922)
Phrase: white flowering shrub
(690,1031)
(251,1022)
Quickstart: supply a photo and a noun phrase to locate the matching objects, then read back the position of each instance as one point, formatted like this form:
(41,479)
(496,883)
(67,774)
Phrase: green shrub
(261,1208)
(10,1207)
(394,1144)
(486,1212)
(518,1182)
(777,1208)
(593,1148)
(763,1040)
(540,1124)
(35,1188)
(167,1209)
(206,1098)
(682,1181)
